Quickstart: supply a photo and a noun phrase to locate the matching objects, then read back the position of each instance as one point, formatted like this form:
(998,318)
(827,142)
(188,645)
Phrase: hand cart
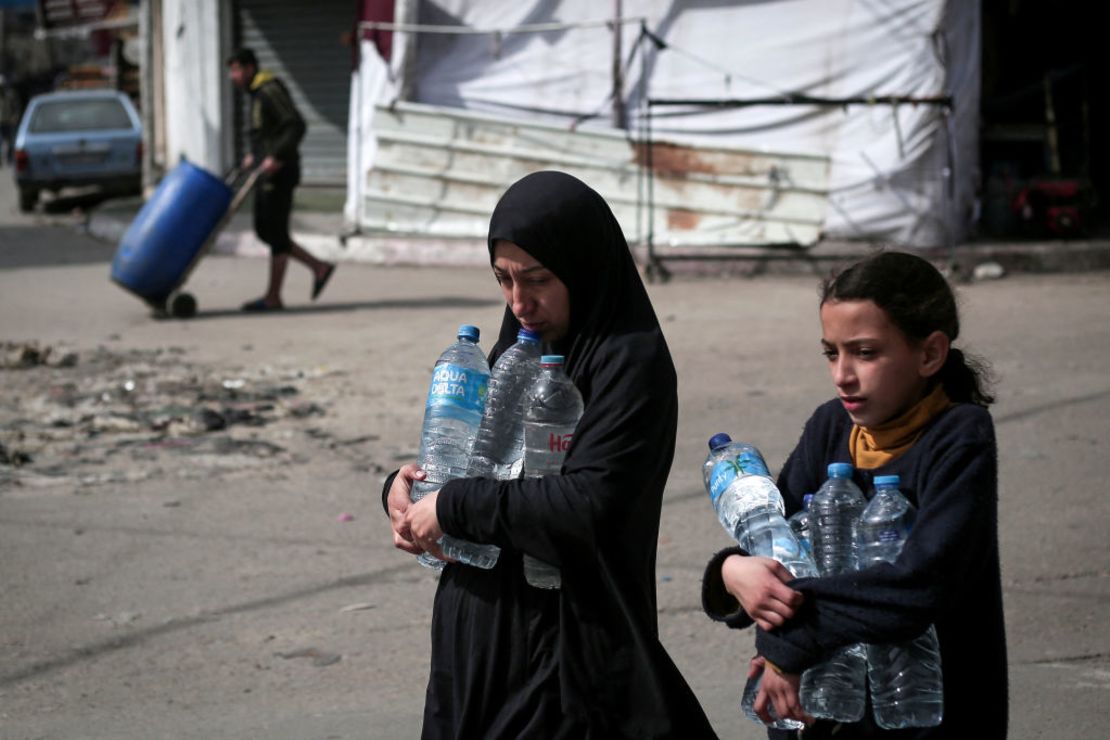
(173,230)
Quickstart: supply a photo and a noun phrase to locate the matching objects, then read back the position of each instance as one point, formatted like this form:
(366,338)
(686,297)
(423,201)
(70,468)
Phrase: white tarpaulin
(370,85)
(901,173)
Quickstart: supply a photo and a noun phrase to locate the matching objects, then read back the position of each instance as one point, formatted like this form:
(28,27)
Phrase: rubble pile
(109,415)
(29,354)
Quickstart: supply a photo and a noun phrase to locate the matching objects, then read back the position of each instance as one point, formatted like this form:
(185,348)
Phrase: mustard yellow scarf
(873,448)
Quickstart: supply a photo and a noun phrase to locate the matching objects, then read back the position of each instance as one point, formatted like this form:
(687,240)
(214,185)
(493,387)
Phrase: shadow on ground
(341,307)
(35,246)
(80,200)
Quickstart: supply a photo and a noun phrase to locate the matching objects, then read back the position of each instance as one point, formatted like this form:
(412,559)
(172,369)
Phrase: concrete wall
(197,108)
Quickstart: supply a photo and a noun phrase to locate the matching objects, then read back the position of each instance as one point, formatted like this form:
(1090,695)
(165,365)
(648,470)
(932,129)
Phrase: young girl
(911,404)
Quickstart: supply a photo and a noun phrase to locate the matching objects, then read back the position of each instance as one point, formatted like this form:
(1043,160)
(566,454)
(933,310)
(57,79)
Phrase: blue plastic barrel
(155,254)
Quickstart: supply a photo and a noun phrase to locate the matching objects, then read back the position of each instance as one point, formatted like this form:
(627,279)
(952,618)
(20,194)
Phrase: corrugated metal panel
(300,44)
(440,171)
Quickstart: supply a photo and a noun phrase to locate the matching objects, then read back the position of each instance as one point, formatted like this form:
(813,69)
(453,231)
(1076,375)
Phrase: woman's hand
(398,502)
(423,527)
(759,584)
(780,689)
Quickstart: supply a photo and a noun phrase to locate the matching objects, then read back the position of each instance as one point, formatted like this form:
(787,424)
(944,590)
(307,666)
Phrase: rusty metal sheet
(439,172)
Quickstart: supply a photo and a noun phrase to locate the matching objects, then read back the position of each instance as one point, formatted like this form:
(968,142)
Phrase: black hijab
(599,520)
(570,229)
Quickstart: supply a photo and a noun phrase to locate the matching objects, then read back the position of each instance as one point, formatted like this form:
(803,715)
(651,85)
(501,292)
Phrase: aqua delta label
(458,387)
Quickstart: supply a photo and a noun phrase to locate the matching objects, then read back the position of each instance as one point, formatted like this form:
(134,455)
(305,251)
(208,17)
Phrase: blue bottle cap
(806,499)
(887,480)
(551,360)
(527,335)
(840,470)
(720,439)
(469,331)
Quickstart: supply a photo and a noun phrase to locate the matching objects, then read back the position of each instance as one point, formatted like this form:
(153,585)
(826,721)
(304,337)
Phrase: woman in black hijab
(510,660)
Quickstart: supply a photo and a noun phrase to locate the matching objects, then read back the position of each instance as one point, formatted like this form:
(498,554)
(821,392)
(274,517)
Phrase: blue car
(78,138)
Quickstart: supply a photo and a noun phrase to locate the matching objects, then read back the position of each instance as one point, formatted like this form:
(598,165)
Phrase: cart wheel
(183,306)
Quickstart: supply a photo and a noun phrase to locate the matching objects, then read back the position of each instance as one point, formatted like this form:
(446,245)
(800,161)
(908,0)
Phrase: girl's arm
(738,589)
(955,531)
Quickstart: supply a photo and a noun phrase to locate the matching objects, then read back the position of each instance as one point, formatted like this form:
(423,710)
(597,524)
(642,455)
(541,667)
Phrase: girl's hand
(423,525)
(780,689)
(759,584)
(398,502)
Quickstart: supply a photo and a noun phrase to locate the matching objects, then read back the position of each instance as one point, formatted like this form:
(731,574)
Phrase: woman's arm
(612,480)
(397,502)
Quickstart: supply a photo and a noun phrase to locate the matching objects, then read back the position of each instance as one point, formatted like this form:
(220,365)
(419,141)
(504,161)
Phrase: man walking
(276,129)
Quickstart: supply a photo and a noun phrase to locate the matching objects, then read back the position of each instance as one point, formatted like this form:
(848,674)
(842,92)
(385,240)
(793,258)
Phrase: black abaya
(509,660)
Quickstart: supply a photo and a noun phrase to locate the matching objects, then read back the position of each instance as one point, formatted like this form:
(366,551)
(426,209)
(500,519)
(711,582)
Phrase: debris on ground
(14,457)
(319,657)
(17,355)
(112,416)
(988,271)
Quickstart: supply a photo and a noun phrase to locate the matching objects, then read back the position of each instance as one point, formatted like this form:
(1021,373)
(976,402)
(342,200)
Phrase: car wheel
(27,199)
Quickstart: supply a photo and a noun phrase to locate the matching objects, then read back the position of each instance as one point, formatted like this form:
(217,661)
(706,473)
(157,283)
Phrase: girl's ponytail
(965,379)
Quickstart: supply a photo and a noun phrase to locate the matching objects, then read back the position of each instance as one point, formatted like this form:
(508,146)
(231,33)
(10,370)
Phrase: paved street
(167,573)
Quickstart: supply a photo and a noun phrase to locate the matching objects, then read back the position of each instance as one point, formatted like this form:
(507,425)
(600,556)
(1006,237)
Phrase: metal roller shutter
(300,43)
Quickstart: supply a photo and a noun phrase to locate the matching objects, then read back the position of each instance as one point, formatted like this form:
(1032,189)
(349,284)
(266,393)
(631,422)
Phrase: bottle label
(756,492)
(545,447)
(722,475)
(893,534)
(751,463)
(559,442)
(726,471)
(458,387)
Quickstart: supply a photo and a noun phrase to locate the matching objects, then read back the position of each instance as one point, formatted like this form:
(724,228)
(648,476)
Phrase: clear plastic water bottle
(452,414)
(720,447)
(799,523)
(837,688)
(834,511)
(750,508)
(552,409)
(907,685)
(499,447)
(498,450)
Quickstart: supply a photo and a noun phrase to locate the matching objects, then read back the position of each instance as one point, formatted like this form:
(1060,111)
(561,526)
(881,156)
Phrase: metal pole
(652,262)
(146,89)
(641,134)
(620,115)
(645,103)
(1050,128)
(406,43)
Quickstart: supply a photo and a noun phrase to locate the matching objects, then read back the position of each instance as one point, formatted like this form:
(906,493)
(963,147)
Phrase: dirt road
(192,545)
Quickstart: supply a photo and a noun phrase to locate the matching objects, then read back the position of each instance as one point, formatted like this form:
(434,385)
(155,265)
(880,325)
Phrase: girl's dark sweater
(947,575)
